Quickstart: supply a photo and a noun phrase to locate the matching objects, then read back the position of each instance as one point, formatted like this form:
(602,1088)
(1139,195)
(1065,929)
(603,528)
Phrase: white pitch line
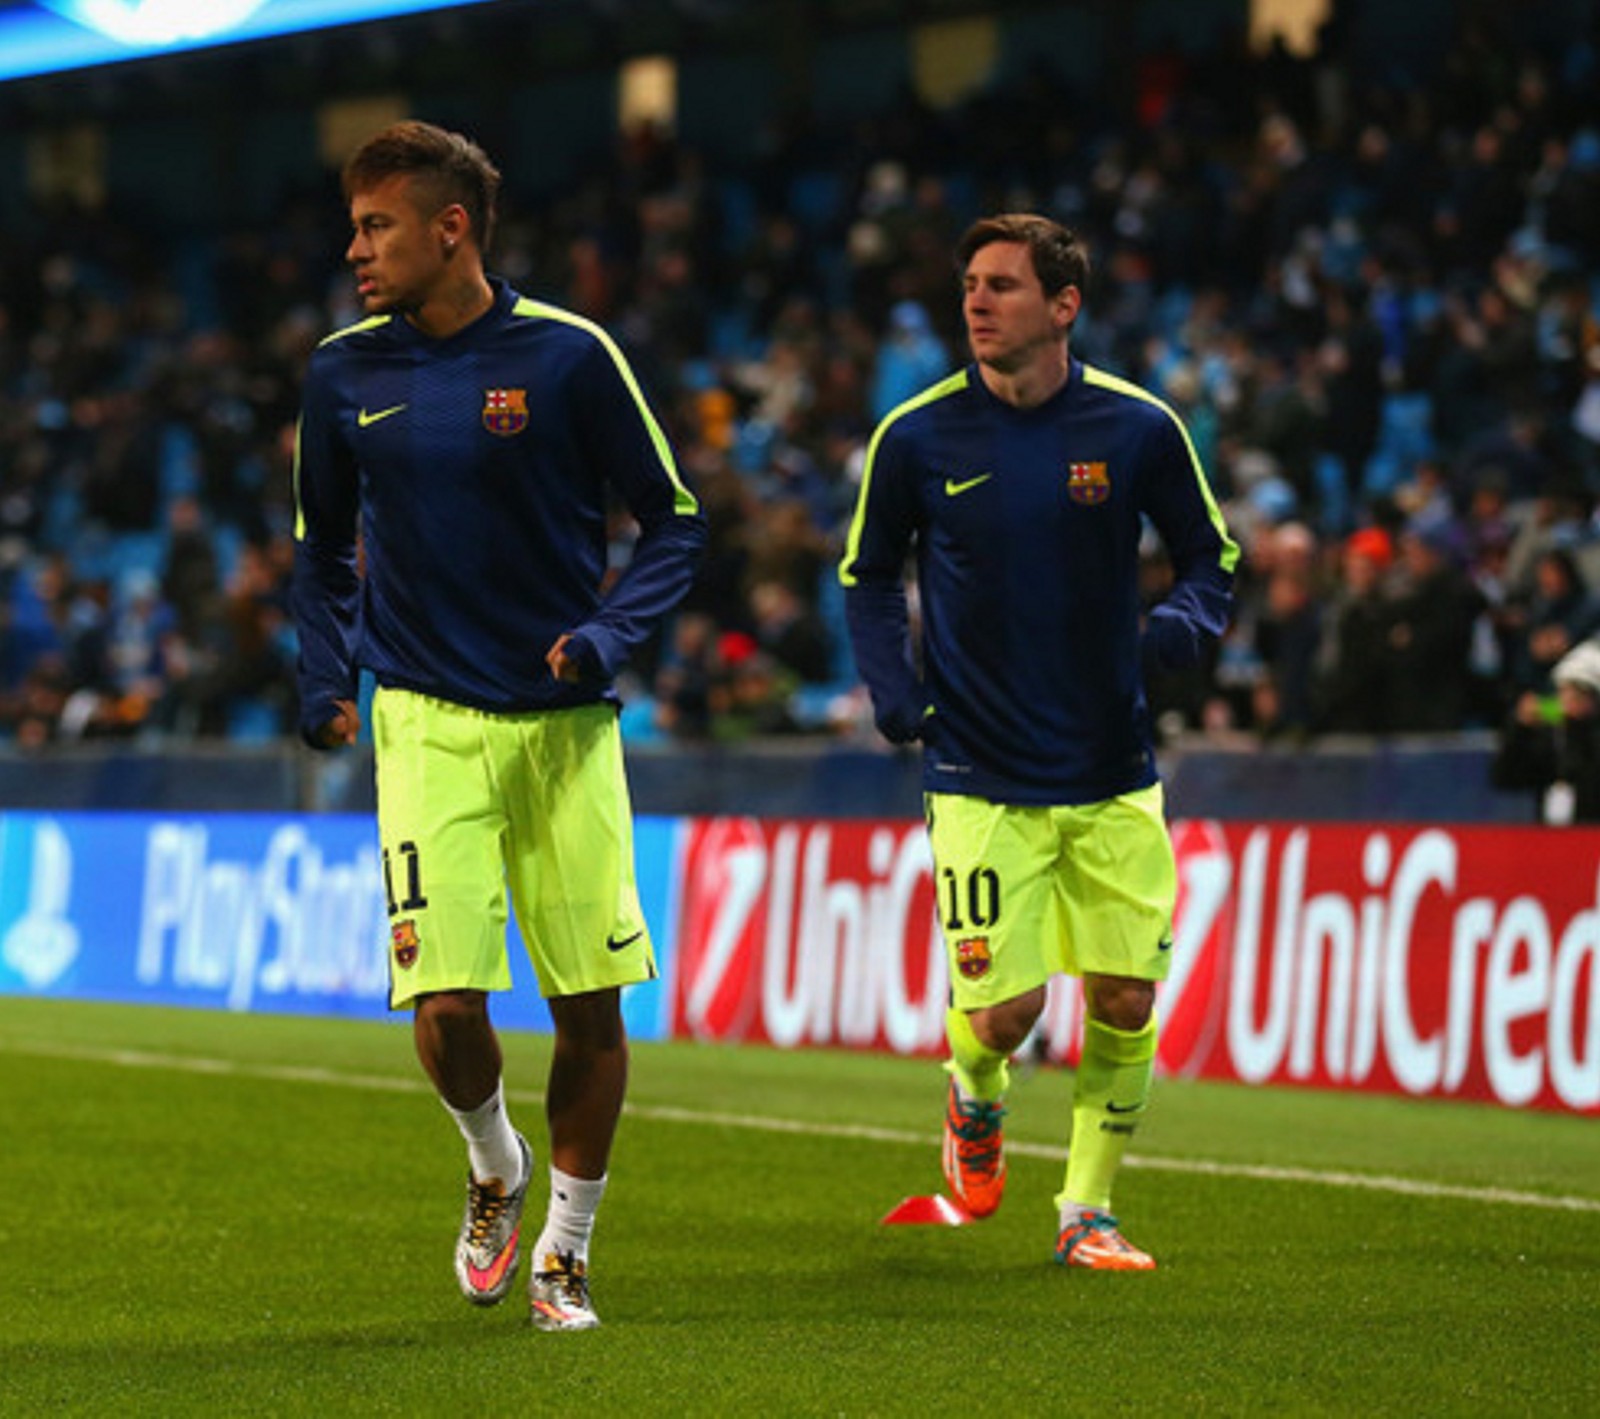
(669,1113)
(1259,1172)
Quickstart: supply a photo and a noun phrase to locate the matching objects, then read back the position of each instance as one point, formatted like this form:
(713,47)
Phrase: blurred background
(1355,245)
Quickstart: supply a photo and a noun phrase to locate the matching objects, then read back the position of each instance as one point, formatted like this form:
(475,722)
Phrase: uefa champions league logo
(156,22)
(39,944)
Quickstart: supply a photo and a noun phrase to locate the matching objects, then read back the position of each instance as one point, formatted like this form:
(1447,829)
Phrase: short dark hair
(446,166)
(1060,258)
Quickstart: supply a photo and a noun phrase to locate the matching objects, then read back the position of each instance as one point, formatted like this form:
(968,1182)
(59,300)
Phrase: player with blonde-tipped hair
(470,440)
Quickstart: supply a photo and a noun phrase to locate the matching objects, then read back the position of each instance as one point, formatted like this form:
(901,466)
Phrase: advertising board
(242,911)
(1441,962)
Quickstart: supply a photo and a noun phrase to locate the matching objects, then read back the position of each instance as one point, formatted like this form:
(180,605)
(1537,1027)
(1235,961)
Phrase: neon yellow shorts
(1025,892)
(472,805)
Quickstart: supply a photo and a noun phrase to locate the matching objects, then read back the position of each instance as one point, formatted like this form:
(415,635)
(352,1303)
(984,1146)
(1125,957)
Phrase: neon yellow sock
(980,1071)
(1112,1092)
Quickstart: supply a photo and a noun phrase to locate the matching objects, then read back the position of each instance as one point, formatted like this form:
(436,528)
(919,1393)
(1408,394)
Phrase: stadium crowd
(1375,304)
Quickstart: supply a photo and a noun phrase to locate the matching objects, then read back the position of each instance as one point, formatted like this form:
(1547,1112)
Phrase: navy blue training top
(479,467)
(1027,685)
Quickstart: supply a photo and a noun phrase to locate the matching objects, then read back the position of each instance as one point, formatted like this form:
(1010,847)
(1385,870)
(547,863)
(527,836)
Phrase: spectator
(1551,745)
(791,632)
(1351,358)
(1560,613)
(1288,631)
(1428,683)
(192,579)
(143,626)
(1355,664)
(689,687)
(753,699)
(910,358)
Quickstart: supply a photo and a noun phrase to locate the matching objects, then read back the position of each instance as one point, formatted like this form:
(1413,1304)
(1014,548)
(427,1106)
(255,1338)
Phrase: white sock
(570,1221)
(492,1150)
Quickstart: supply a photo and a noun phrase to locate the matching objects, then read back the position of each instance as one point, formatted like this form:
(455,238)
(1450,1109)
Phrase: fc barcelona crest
(1088,483)
(505,411)
(403,934)
(973,958)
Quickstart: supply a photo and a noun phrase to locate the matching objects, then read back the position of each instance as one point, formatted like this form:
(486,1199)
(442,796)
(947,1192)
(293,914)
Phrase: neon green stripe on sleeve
(954,384)
(299,512)
(683,501)
(1230,549)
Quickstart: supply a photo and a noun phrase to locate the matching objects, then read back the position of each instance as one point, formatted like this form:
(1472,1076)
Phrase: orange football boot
(973,1166)
(1093,1241)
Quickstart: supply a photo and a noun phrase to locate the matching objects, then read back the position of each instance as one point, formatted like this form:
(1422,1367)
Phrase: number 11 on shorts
(413,899)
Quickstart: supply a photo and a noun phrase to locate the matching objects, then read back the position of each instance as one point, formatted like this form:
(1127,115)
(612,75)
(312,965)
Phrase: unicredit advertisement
(1445,962)
(1439,962)
(242,912)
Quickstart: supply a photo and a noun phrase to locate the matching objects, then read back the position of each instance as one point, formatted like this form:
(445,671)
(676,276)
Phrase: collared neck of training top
(500,306)
(1051,401)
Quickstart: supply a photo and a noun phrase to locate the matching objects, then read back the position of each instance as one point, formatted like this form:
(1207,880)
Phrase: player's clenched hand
(341,729)
(903,723)
(563,666)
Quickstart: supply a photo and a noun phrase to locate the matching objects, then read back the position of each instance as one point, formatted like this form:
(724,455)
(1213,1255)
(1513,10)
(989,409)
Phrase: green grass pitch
(254,1215)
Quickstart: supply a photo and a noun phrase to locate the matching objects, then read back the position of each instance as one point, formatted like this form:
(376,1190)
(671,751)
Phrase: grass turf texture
(254,1215)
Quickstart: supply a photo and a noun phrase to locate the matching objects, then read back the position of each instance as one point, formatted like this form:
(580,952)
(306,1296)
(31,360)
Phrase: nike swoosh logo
(487,1278)
(954,489)
(1114,1108)
(364,419)
(1165,945)
(612,944)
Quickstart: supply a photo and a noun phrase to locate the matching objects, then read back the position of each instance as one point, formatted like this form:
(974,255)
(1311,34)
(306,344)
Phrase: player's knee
(1004,1027)
(453,1012)
(1122,1002)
